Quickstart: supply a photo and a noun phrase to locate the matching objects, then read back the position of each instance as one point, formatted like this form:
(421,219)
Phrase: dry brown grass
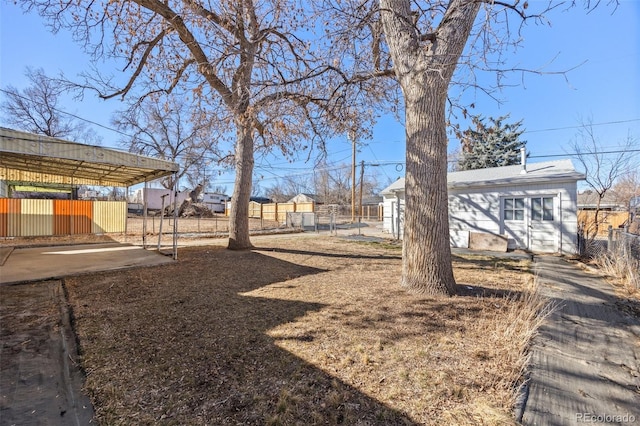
(622,271)
(302,331)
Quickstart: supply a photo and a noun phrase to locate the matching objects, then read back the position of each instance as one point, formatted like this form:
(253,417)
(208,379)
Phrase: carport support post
(161,219)
(71,221)
(144,215)
(126,218)
(175,216)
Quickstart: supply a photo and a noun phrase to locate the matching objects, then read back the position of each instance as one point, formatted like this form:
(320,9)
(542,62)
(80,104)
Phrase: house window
(542,208)
(513,209)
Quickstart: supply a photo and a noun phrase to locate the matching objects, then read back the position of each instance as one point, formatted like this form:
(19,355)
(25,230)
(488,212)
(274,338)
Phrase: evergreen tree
(493,145)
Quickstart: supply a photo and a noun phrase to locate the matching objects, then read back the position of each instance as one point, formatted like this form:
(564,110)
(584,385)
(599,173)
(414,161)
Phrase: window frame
(540,212)
(510,209)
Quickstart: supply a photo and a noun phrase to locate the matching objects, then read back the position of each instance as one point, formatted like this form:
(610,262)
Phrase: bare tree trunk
(596,220)
(426,251)
(424,65)
(239,215)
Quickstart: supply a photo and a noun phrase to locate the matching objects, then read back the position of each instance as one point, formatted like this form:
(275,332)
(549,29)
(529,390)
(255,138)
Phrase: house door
(531,223)
(543,224)
(515,222)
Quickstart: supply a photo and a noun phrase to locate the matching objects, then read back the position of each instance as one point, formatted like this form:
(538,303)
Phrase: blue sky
(604,89)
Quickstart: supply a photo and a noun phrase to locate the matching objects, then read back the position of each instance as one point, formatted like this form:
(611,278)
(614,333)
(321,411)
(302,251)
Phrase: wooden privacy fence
(586,218)
(29,218)
(277,211)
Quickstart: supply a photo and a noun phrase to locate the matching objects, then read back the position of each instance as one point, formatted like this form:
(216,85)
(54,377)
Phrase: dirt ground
(304,330)
(38,385)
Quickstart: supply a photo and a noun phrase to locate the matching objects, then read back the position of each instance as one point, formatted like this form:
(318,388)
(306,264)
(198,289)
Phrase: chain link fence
(618,254)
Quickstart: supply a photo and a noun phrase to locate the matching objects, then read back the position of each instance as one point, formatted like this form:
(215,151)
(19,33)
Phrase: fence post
(610,238)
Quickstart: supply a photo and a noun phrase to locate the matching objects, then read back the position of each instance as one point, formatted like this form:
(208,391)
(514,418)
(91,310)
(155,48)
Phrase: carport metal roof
(27,157)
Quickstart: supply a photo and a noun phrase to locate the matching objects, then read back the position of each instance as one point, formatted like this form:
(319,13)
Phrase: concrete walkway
(585,365)
(44,263)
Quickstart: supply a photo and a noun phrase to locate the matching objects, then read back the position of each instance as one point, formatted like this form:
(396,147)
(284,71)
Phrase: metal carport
(28,157)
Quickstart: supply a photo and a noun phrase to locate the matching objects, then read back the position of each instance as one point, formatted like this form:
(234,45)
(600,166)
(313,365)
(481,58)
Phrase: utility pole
(352,136)
(361,186)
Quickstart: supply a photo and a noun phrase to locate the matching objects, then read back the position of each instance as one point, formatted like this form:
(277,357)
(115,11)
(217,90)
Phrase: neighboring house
(611,212)
(215,201)
(532,205)
(154,197)
(259,200)
(588,200)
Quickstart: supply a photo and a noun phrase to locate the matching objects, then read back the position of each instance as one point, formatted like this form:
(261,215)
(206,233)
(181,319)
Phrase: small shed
(532,206)
(304,198)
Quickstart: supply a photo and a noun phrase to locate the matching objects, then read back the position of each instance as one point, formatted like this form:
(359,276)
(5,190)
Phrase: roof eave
(519,180)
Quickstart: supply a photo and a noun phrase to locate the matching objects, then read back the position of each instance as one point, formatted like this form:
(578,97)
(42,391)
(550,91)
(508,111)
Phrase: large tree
(491,145)
(37,109)
(424,61)
(627,187)
(602,167)
(170,129)
(428,47)
(250,64)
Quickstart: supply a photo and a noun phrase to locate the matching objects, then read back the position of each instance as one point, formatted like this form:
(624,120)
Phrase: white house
(532,205)
(215,201)
(154,197)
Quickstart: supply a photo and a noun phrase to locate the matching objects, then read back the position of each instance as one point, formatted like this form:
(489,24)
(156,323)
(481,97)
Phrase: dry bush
(623,268)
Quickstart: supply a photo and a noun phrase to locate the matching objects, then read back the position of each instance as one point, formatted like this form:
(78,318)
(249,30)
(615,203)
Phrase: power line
(606,123)
(551,129)
(376,163)
(67,113)
(623,151)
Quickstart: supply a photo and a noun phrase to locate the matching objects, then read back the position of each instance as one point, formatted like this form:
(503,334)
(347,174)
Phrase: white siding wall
(472,211)
(390,211)
(479,210)
(569,211)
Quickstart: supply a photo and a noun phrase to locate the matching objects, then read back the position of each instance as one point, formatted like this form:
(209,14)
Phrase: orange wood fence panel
(61,217)
(82,216)
(10,217)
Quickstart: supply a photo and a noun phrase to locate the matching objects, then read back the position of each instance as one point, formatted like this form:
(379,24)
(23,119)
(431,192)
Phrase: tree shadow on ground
(334,254)
(462,289)
(486,262)
(181,344)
